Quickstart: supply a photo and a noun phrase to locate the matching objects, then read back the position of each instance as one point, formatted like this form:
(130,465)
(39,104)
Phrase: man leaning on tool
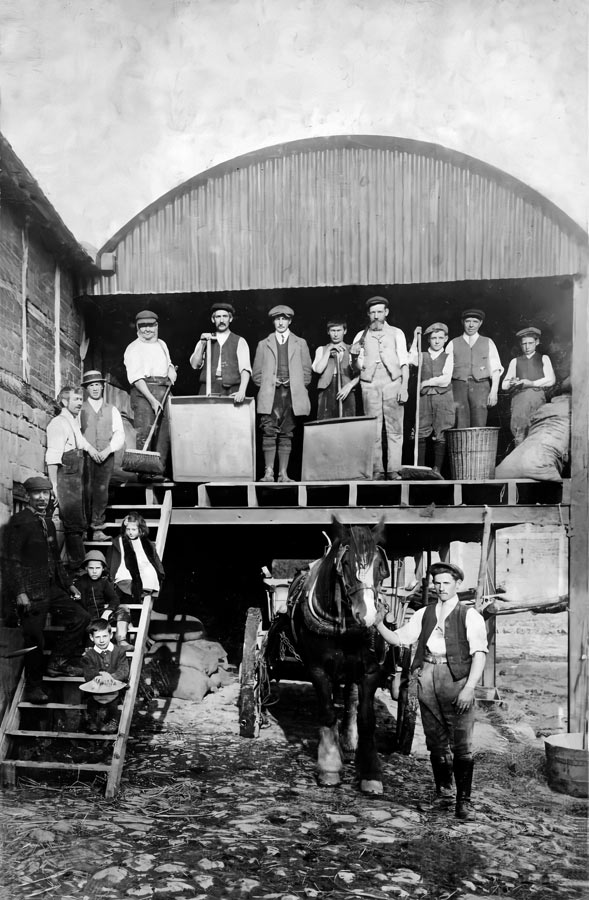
(39,584)
(380,356)
(230,357)
(150,371)
(451,643)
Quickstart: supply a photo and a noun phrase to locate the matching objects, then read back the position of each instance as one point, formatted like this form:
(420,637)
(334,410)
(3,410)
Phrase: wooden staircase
(36,739)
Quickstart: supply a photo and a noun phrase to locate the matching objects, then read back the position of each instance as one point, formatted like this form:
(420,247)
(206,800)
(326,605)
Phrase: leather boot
(442,769)
(439,455)
(463,769)
(421,452)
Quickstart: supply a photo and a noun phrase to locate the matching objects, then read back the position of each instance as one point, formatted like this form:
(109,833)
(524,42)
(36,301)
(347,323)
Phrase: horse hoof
(371,787)
(328,779)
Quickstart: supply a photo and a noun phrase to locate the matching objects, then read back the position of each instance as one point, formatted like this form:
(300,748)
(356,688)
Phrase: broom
(144,461)
(415,472)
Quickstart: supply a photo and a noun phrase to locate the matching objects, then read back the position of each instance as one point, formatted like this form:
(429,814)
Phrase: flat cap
(95,556)
(281,310)
(441,567)
(223,305)
(91,376)
(37,483)
(374,301)
(146,315)
(436,326)
(473,314)
(530,330)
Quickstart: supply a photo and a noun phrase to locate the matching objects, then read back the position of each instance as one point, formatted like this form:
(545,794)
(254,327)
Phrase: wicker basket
(473,452)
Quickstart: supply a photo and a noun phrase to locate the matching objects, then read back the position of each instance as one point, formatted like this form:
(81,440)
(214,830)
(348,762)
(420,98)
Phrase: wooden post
(579,514)
(489,678)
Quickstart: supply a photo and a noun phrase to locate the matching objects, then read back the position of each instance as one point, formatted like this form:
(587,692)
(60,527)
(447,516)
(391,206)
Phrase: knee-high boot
(421,445)
(463,769)
(442,769)
(439,454)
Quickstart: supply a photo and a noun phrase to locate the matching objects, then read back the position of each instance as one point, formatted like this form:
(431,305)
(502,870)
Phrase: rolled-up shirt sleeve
(476,632)
(494,361)
(243,356)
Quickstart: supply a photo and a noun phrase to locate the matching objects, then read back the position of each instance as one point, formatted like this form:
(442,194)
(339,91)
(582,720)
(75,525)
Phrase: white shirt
(243,355)
(476,630)
(445,378)
(149,579)
(549,376)
(282,336)
(63,434)
(400,343)
(144,359)
(117,440)
(494,361)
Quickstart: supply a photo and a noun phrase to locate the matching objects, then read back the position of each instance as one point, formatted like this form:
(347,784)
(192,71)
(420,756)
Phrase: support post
(578,629)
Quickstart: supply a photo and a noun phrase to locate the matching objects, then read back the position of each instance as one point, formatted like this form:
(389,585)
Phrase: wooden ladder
(57,722)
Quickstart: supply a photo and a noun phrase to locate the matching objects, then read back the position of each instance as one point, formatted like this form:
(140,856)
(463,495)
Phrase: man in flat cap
(476,372)
(65,457)
(337,380)
(38,584)
(102,426)
(528,376)
(230,366)
(282,372)
(150,372)
(451,643)
(380,357)
(436,406)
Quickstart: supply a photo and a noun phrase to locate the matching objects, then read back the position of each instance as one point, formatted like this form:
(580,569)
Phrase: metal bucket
(567,764)
(213,439)
(339,449)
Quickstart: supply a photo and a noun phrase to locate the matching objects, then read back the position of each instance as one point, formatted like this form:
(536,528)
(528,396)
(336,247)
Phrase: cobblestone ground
(205,814)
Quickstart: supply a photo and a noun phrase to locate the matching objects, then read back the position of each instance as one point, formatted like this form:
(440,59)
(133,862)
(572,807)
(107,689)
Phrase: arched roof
(342,210)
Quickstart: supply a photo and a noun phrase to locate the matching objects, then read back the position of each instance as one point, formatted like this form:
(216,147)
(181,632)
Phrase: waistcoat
(381,349)
(96,426)
(282,373)
(531,368)
(330,370)
(471,362)
(433,368)
(457,649)
(229,369)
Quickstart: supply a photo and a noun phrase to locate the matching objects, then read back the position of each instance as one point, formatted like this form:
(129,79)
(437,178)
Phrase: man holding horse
(450,657)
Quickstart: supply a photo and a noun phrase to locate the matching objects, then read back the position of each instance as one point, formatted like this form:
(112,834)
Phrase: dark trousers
(70,496)
(446,731)
(143,417)
(101,711)
(470,399)
(279,425)
(218,389)
(328,404)
(96,484)
(69,643)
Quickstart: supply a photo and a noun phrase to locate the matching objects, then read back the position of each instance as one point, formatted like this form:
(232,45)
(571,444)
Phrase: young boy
(436,404)
(105,667)
(334,387)
(100,599)
(528,376)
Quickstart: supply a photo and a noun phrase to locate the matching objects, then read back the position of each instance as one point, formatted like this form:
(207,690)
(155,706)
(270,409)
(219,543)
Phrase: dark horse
(333,607)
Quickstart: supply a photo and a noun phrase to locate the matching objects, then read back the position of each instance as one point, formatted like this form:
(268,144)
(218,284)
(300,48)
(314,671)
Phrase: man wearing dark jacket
(39,584)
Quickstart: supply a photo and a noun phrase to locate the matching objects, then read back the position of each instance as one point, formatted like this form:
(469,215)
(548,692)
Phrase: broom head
(146,462)
(419,473)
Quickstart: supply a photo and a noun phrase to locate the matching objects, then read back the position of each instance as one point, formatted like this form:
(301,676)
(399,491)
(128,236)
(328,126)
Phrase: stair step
(24,704)
(135,506)
(72,679)
(73,767)
(72,735)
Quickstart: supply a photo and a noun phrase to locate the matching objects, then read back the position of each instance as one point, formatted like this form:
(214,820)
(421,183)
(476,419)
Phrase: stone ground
(203,813)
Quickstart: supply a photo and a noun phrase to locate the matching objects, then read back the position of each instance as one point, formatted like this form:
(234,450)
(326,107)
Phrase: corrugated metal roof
(343,210)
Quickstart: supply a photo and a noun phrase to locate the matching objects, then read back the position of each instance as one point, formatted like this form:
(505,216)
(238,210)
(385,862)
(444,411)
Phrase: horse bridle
(349,589)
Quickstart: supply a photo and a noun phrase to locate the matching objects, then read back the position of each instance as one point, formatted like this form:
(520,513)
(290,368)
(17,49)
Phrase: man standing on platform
(39,584)
(476,372)
(336,379)
(150,372)
(282,371)
(380,353)
(230,357)
(527,376)
(66,446)
(102,427)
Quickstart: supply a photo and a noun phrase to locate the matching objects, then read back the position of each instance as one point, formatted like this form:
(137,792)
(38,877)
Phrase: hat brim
(92,687)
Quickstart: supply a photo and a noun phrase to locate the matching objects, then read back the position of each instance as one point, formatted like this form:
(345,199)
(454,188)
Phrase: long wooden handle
(156,419)
(208,368)
(487,521)
(340,403)
(417,335)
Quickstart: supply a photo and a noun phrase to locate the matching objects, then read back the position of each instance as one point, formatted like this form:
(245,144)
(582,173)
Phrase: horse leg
(367,761)
(329,758)
(349,729)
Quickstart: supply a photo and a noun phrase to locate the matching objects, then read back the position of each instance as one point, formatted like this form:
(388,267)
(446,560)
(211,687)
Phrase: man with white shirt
(476,372)
(527,376)
(282,372)
(451,643)
(230,356)
(66,446)
(102,426)
(436,406)
(150,372)
(380,357)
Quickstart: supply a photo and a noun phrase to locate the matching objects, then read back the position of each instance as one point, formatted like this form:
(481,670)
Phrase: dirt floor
(203,813)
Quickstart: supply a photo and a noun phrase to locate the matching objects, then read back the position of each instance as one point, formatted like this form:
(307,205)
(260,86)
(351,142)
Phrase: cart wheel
(250,694)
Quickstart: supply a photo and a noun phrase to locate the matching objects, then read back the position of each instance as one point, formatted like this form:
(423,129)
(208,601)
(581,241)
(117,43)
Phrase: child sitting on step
(100,599)
(106,671)
(135,565)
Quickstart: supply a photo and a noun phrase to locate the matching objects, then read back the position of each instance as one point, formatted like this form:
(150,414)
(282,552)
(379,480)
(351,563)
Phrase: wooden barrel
(567,764)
